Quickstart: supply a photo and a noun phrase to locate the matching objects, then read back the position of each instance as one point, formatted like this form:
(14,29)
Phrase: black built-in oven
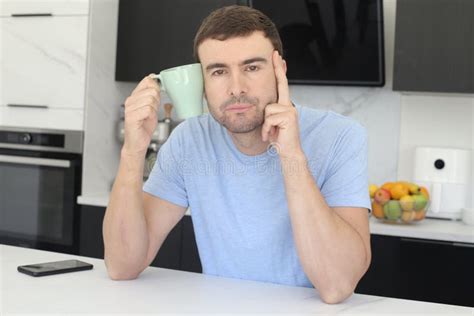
(40,179)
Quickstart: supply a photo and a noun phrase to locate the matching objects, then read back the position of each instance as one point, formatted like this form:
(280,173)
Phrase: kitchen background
(396,122)
(76,63)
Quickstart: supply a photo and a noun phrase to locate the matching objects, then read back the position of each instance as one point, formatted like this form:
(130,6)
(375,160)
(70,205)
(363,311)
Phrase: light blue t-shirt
(238,202)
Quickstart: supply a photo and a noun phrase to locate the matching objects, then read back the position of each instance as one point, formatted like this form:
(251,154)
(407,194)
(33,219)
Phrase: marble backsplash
(378,109)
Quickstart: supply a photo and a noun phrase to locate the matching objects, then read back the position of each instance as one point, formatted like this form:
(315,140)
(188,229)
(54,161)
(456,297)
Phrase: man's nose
(237,85)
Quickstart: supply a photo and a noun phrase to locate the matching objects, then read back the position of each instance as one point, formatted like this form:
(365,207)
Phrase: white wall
(103,98)
(433,120)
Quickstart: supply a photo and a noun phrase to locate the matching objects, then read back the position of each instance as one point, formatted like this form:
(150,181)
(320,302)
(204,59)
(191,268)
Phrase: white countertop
(169,291)
(101,200)
(98,199)
(435,229)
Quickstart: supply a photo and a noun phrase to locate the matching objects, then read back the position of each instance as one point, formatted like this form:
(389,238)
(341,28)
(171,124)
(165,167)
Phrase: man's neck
(249,143)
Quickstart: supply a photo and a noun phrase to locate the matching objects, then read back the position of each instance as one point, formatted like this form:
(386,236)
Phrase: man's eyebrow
(245,62)
(253,60)
(215,65)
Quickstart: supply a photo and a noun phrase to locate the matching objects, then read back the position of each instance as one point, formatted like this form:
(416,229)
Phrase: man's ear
(284,66)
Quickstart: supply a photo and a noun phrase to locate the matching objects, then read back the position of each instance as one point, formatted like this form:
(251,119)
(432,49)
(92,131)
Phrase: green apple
(392,210)
(419,201)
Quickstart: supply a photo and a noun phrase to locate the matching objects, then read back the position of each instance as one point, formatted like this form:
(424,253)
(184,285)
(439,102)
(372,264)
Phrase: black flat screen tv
(330,42)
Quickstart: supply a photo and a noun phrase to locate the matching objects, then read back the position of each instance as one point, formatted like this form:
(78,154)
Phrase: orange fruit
(412,188)
(398,190)
(419,215)
(377,210)
(387,185)
(424,191)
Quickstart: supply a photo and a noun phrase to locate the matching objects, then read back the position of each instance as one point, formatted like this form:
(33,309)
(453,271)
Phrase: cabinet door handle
(29,15)
(33,161)
(464,245)
(435,242)
(34,106)
(426,241)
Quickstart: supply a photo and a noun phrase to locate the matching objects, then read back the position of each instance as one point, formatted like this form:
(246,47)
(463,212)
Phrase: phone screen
(55,267)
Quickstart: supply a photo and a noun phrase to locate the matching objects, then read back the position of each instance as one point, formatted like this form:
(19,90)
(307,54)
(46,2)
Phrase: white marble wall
(103,98)
(378,109)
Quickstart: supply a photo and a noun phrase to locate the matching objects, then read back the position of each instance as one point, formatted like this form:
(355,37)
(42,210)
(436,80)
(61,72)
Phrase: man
(278,193)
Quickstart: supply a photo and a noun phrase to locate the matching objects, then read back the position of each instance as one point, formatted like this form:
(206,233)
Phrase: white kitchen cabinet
(51,118)
(43,64)
(54,7)
(43,61)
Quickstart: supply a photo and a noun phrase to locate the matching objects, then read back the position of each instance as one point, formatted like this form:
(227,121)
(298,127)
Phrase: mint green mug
(185,87)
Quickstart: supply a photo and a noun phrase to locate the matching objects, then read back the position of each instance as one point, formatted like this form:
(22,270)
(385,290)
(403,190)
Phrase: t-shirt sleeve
(166,179)
(346,183)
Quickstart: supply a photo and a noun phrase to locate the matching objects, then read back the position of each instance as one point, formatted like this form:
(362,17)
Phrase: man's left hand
(281,119)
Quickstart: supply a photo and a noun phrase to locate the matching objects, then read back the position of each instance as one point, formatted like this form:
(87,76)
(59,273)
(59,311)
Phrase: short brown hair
(234,21)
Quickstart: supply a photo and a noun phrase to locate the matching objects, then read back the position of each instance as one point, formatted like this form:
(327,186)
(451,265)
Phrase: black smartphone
(56,267)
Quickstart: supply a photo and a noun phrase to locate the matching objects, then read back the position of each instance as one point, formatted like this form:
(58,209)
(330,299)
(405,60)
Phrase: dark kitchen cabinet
(420,269)
(382,278)
(91,240)
(434,46)
(169,255)
(189,253)
(90,231)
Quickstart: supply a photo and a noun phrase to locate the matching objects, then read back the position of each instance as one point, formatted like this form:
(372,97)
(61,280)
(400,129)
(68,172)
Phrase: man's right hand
(141,116)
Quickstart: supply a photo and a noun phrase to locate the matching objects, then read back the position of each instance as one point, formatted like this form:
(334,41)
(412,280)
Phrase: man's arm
(135,223)
(333,244)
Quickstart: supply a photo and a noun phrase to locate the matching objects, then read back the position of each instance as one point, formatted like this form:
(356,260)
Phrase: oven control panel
(36,139)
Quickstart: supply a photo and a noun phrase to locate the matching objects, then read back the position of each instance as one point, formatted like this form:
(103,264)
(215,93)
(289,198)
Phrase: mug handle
(160,81)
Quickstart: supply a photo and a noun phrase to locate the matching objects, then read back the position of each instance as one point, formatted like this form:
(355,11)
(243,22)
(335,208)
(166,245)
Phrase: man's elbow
(121,276)
(336,294)
(117,273)
(338,291)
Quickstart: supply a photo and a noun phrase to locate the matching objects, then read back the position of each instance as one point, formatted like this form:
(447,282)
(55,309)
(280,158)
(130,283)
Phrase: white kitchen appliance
(446,173)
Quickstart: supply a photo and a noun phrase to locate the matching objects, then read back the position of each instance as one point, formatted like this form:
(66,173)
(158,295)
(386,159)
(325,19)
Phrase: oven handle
(36,161)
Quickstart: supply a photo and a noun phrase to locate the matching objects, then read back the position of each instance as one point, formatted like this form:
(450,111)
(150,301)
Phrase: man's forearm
(124,229)
(331,251)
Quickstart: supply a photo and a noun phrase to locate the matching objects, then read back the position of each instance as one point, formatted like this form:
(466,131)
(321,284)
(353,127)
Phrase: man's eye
(218,72)
(252,68)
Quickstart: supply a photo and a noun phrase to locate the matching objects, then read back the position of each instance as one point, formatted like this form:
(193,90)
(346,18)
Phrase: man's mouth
(241,107)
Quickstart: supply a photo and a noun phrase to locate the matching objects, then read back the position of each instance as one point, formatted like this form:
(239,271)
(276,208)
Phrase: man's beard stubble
(239,122)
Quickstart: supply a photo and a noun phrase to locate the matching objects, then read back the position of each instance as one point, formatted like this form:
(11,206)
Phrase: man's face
(239,80)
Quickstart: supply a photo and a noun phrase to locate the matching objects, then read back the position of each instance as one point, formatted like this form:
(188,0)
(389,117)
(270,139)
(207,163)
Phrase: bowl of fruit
(399,202)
